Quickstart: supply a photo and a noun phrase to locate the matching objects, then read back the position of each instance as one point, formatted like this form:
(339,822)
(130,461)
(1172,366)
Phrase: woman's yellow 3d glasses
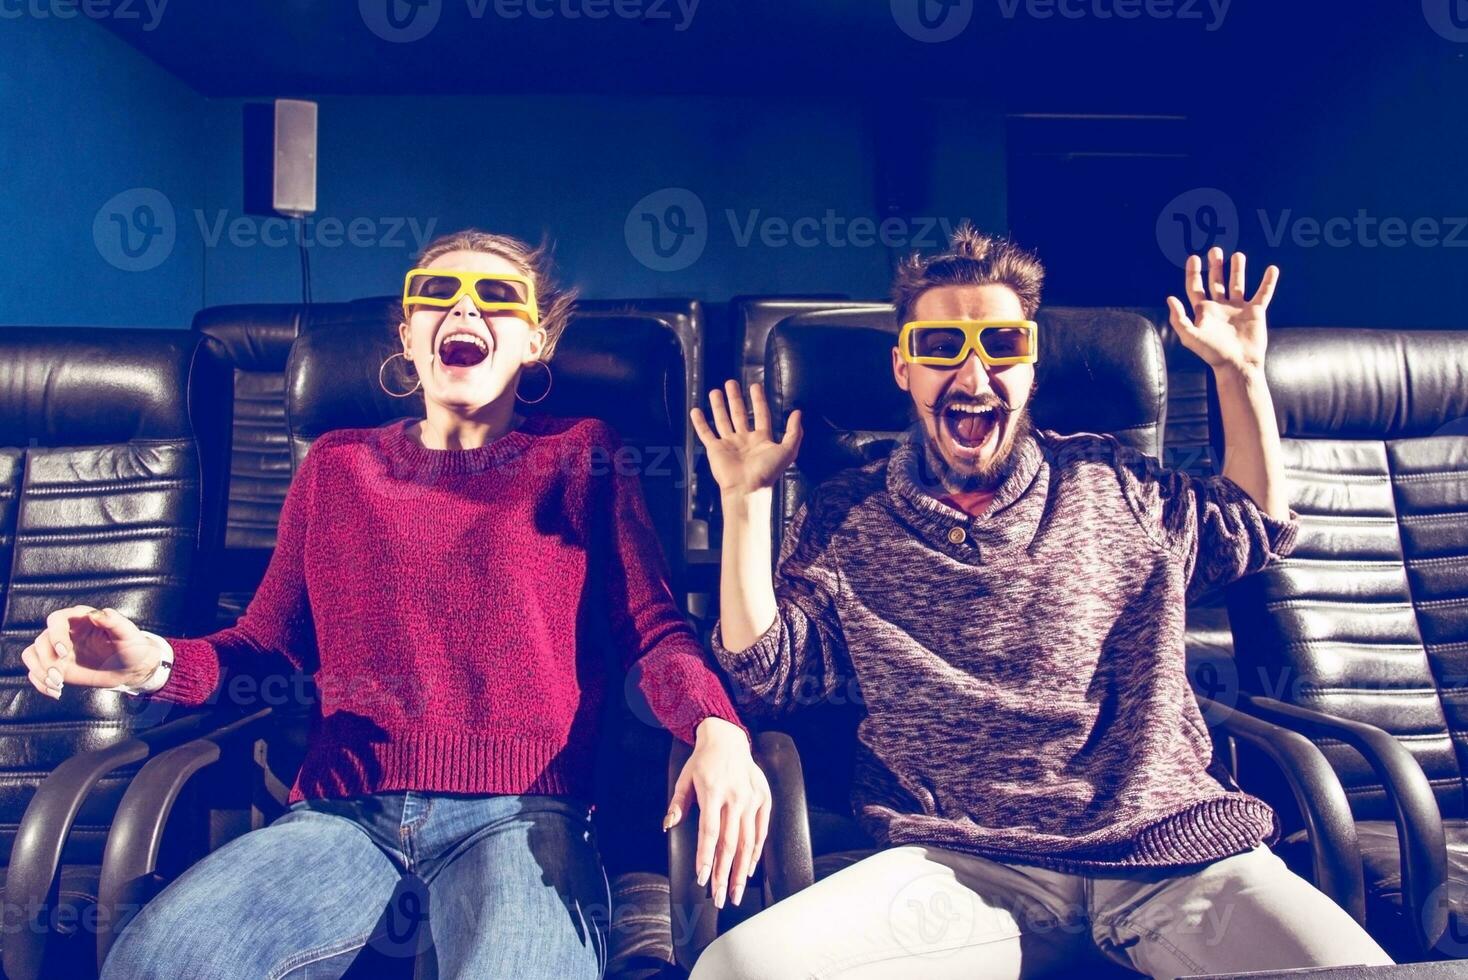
(946,343)
(491,292)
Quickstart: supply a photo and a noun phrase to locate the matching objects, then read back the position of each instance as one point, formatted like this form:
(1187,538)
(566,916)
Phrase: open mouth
(463,350)
(970,426)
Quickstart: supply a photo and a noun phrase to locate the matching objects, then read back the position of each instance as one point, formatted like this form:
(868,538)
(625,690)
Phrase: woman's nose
(465,307)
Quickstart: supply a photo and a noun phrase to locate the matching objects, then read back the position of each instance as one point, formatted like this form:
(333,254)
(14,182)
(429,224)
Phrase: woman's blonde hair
(534,262)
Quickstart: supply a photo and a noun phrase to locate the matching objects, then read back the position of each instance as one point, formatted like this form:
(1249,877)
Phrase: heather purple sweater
(1022,672)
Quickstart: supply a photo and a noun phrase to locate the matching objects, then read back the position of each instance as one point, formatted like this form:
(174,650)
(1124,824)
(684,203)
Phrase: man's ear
(899,370)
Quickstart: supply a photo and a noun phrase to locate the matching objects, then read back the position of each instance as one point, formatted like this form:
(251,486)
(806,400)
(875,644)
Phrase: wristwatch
(160,674)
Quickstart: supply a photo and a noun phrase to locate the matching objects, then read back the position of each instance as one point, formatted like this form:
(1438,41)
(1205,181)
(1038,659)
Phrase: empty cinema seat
(1360,638)
(257,338)
(687,320)
(113,456)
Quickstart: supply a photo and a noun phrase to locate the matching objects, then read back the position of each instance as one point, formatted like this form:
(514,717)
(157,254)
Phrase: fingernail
(703,874)
(719,898)
(739,892)
(63,648)
(53,677)
(670,818)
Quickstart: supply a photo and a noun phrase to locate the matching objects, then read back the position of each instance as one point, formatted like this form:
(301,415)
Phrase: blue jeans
(513,887)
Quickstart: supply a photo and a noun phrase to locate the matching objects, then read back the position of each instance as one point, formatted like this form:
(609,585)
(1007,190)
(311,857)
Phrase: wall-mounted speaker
(280,158)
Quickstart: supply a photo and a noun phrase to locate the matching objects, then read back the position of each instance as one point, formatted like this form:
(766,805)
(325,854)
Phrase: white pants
(920,911)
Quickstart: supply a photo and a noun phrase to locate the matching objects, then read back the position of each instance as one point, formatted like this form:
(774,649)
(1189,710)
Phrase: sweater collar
(1008,519)
(406,452)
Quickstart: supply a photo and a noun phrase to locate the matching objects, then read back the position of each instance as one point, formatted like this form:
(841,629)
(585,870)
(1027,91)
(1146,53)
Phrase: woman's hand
(745,459)
(90,647)
(733,800)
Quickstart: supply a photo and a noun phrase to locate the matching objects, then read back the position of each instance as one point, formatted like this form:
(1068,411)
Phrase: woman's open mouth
(970,427)
(462,349)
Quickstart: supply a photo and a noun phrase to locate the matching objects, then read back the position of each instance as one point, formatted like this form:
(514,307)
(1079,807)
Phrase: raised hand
(1227,330)
(745,459)
(91,647)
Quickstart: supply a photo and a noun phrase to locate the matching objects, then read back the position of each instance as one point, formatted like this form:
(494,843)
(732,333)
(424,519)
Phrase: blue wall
(574,168)
(87,118)
(780,186)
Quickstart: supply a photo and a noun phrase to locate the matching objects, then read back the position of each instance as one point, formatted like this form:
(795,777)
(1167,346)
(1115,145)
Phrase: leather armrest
(1419,822)
(787,862)
(1335,850)
(35,860)
(131,856)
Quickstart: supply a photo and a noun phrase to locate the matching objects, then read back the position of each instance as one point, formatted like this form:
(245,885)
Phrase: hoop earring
(549,380)
(382,383)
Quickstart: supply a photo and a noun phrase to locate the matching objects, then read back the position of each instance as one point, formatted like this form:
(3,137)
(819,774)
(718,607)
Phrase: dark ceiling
(1010,53)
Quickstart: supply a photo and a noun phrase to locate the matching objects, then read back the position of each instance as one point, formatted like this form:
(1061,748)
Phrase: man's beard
(990,473)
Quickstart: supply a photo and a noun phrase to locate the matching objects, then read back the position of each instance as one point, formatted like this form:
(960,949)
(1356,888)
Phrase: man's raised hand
(1227,328)
(745,457)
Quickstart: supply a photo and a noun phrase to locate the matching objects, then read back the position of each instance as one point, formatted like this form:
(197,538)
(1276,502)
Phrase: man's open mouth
(970,426)
(462,349)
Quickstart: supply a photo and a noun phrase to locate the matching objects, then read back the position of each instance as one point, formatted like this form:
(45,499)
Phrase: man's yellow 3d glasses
(490,292)
(946,343)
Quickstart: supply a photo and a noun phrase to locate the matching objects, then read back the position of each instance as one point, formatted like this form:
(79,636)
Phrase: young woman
(451,585)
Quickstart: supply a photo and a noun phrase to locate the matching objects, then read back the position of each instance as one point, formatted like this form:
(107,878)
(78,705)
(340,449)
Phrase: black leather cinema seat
(257,338)
(1100,370)
(753,317)
(686,319)
(113,454)
(1367,623)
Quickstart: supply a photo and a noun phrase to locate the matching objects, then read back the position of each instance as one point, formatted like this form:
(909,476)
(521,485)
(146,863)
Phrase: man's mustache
(992,400)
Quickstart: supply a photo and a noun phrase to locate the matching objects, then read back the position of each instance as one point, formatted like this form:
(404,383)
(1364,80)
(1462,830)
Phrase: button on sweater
(1021,673)
(463,613)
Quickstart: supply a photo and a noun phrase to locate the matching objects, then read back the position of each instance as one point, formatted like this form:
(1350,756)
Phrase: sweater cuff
(683,689)
(1282,533)
(759,657)
(195,673)
(726,712)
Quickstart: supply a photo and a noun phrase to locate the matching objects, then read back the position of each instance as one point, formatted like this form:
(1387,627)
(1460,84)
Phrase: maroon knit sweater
(463,613)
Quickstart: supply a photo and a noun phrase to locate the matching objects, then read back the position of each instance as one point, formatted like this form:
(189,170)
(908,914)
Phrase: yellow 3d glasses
(490,292)
(947,343)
